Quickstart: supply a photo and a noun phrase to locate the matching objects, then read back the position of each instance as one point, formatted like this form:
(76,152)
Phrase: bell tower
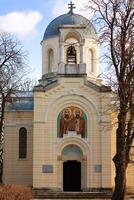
(70,47)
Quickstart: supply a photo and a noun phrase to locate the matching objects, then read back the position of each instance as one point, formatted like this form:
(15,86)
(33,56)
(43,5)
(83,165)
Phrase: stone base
(45,189)
(105,190)
(38,194)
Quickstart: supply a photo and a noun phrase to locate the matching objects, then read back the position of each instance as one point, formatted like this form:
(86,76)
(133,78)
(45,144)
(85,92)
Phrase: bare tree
(27,85)
(12,74)
(115,19)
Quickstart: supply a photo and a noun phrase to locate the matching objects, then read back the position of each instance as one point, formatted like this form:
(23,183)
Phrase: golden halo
(77,110)
(66,109)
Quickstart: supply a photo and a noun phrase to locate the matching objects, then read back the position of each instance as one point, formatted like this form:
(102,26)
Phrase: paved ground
(130,197)
(72,199)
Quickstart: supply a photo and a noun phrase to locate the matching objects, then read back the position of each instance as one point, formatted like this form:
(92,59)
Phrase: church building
(60,136)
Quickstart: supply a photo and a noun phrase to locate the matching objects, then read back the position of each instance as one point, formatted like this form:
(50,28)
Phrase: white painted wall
(76,37)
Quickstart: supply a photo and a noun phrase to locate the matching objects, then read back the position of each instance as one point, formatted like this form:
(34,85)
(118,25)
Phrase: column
(61,68)
(62,52)
(81,53)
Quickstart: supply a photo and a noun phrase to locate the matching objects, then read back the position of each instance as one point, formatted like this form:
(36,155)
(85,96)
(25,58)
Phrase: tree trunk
(120,182)
(120,157)
(1,138)
(1,165)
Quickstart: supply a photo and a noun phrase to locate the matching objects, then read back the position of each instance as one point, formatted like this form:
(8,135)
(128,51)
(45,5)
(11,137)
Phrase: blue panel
(20,105)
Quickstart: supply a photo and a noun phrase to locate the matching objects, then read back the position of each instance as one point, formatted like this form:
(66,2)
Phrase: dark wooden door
(72,176)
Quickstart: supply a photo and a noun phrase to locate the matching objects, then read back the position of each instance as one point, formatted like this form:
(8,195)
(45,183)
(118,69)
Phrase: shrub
(15,192)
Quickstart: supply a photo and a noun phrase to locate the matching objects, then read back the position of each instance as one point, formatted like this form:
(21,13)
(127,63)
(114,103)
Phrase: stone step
(71,195)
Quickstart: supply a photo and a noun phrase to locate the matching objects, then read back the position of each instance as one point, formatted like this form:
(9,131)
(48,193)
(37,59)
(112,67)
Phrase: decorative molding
(72,92)
(18,124)
(38,122)
(59,158)
(81,143)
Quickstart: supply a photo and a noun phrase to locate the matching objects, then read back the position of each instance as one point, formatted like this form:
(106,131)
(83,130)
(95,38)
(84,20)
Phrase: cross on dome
(71,6)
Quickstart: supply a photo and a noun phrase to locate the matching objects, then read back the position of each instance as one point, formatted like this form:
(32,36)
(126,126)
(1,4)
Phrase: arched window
(50,60)
(71,55)
(23,143)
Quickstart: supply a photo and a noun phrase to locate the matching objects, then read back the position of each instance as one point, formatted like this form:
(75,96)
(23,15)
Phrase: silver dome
(69,18)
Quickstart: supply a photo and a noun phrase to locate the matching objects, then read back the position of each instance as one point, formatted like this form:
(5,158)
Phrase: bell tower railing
(72,68)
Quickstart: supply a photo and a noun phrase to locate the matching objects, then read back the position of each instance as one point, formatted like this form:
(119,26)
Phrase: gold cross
(71,6)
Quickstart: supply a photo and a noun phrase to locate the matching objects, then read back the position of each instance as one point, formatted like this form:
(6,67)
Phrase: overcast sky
(28,20)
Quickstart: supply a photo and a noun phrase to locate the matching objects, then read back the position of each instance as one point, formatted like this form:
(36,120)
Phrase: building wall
(47,147)
(44,148)
(130,178)
(18,171)
(46,46)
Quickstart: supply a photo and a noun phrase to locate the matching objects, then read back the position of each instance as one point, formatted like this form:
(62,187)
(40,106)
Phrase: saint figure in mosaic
(72,119)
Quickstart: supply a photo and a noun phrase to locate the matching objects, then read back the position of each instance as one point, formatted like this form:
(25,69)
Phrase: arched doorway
(72,175)
(72,170)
